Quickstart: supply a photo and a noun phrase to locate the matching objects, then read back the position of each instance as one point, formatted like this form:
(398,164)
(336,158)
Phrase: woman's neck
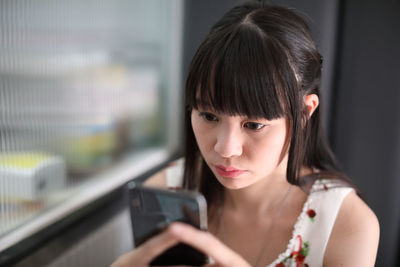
(257,199)
(262,197)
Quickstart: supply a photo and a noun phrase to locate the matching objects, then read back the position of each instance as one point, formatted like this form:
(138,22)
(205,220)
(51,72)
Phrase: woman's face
(239,150)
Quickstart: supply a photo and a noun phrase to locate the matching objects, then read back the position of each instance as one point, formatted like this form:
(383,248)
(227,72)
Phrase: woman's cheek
(199,131)
(203,138)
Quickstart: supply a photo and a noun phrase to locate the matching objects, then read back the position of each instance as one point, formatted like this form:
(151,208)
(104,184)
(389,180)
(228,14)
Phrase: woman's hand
(208,244)
(180,232)
(145,253)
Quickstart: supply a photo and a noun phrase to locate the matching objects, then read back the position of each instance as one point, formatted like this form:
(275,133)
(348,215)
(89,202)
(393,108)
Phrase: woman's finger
(208,244)
(146,252)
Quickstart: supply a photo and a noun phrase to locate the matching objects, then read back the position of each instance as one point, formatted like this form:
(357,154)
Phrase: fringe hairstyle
(259,60)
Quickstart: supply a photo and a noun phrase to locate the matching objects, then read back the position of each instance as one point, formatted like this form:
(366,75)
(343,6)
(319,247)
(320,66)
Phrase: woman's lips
(230,172)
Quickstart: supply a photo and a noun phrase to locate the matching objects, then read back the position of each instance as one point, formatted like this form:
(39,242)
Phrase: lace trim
(297,225)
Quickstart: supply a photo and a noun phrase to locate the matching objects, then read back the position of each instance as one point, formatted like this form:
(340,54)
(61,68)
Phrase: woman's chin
(233,183)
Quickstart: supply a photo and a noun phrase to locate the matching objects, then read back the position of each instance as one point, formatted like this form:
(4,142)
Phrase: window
(88,97)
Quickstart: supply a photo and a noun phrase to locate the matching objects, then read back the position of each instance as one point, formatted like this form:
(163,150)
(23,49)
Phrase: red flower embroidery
(311,214)
(299,253)
(300,259)
(297,245)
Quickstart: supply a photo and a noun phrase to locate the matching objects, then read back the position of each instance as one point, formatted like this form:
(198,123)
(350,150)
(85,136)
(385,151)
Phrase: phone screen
(153,209)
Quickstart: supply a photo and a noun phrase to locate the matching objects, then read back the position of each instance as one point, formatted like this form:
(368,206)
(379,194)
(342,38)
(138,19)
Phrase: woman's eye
(254,125)
(208,116)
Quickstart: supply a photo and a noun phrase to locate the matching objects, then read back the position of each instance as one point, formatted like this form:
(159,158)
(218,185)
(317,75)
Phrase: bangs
(240,74)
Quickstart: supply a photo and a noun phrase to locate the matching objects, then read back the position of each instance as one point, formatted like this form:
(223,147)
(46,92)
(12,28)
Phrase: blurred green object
(94,146)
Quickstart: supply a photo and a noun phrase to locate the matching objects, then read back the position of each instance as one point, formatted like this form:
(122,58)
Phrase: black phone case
(153,209)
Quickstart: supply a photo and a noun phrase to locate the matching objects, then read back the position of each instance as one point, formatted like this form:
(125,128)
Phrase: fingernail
(177,228)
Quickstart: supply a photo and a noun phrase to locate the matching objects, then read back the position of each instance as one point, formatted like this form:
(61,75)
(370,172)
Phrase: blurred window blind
(86,87)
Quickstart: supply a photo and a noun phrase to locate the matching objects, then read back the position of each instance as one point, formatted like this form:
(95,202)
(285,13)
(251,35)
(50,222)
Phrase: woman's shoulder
(355,235)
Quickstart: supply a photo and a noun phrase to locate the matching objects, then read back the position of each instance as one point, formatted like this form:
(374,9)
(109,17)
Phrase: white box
(31,176)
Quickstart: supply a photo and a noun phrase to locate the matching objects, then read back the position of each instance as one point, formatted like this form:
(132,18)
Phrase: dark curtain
(366,114)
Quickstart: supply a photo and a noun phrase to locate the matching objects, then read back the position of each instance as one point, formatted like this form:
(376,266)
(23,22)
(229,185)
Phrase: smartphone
(152,209)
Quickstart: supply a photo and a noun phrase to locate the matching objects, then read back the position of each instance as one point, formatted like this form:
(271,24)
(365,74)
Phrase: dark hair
(258,60)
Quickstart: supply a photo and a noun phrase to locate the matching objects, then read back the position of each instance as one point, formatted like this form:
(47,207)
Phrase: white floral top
(314,225)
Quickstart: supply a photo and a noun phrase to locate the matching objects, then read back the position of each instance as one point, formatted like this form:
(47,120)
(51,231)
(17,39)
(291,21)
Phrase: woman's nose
(229,143)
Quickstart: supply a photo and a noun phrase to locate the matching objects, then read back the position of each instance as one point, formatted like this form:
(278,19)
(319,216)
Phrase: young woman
(255,149)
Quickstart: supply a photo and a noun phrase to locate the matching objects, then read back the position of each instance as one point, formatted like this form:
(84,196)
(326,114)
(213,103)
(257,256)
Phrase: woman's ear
(311,102)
